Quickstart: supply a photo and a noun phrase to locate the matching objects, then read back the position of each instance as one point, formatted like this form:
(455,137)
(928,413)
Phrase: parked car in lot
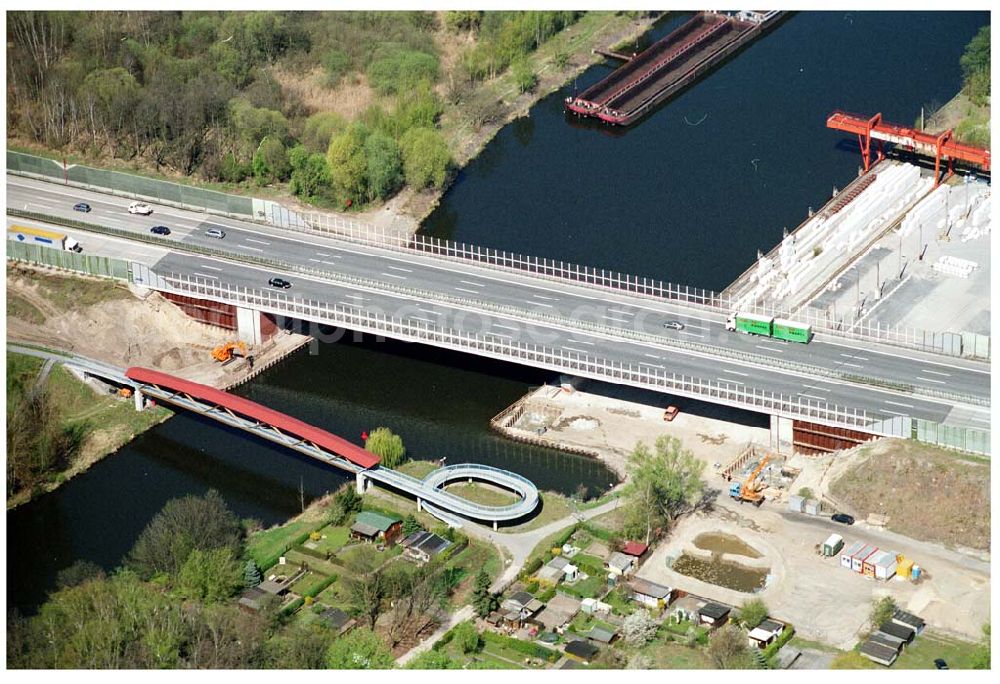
(940,664)
(140,208)
(215,233)
(160,230)
(674,325)
(81,206)
(279,282)
(842,518)
(670,413)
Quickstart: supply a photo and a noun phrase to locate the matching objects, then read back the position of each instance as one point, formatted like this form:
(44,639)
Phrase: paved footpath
(461,615)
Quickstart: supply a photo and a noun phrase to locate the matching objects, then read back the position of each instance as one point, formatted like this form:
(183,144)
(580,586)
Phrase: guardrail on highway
(512,311)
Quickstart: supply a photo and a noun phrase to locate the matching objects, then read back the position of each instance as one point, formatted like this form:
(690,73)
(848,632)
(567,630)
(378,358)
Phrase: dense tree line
(38,443)
(196,93)
(976,67)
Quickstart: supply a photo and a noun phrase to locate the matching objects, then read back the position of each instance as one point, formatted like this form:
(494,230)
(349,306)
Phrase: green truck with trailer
(768,326)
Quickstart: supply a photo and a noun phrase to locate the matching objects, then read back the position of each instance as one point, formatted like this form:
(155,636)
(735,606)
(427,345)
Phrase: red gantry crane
(940,146)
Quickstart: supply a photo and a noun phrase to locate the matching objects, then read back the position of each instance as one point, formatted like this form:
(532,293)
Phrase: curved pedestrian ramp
(317,443)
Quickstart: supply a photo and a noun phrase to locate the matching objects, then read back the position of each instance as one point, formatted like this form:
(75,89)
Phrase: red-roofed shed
(251,409)
(634,548)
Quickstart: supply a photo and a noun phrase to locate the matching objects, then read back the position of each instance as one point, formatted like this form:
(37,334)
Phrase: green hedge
(772,649)
(314,592)
(269,561)
(599,532)
(526,647)
(293,606)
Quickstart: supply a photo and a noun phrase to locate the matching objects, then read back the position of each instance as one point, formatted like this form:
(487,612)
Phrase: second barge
(668,65)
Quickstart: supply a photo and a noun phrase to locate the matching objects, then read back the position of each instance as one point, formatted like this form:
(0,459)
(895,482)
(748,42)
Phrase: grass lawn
(22,371)
(671,655)
(308,583)
(612,521)
(583,623)
(920,655)
(332,539)
(592,587)
(368,556)
(269,544)
(553,507)
(336,594)
(418,469)
(593,562)
(73,292)
(482,494)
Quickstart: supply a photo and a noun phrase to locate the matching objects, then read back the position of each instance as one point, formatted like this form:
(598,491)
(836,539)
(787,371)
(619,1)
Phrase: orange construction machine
(225,353)
(748,490)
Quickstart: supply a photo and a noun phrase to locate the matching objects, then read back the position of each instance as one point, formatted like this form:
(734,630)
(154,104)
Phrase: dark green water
(666,199)
(692,204)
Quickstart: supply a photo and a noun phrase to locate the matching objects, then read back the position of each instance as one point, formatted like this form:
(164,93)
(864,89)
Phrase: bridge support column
(248,325)
(140,400)
(362,482)
(494,525)
(781,434)
(420,505)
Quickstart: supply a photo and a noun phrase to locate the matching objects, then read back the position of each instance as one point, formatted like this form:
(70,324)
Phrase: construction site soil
(927,493)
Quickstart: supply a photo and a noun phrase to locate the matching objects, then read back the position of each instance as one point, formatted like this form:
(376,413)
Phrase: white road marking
(895,413)
(259,242)
(465,290)
(761,346)
(581,342)
(256,249)
(421,318)
(547,306)
(321,254)
(506,327)
(925,370)
(652,356)
(202,275)
(690,334)
(551,299)
(726,370)
(354,296)
(619,311)
(393,275)
(699,327)
(349,304)
(616,320)
(578,351)
(896,403)
(855,356)
(329,263)
(852,365)
(938,382)
(652,365)
(819,389)
(812,396)
(400,268)
(214,268)
(469,282)
(316,260)
(735,382)
(506,337)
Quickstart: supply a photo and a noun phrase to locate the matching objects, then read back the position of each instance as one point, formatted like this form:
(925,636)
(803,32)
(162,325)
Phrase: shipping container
(796,504)
(885,565)
(791,331)
(47,238)
(833,544)
(847,557)
(753,324)
(858,559)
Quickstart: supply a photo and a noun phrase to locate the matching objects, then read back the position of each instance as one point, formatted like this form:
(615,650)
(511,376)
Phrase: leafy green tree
(402,70)
(336,65)
(204,523)
(349,499)
(881,611)
(270,161)
(410,525)
(467,638)
(468,20)
(426,159)
(432,660)
(387,445)
(78,573)
(976,66)
(727,647)
(385,167)
(752,613)
(360,649)
(209,576)
(524,75)
(661,484)
(483,600)
(38,444)
(310,174)
(320,128)
(251,574)
(348,163)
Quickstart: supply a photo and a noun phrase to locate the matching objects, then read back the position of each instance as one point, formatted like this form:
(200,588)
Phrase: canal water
(688,195)
(692,192)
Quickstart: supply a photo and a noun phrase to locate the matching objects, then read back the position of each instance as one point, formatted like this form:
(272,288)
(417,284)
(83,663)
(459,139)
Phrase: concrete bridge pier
(140,400)
(420,505)
(494,525)
(781,434)
(248,325)
(362,482)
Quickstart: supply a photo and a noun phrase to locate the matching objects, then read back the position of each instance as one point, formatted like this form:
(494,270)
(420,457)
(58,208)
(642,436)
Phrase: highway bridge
(547,318)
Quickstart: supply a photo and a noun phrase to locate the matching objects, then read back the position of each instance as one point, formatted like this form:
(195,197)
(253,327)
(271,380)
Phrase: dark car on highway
(279,282)
(842,518)
(160,230)
(81,206)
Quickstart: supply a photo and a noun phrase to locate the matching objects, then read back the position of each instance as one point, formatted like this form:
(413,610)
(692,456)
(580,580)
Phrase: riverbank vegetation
(57,426)
(344,107)
(968,113)
(176,601)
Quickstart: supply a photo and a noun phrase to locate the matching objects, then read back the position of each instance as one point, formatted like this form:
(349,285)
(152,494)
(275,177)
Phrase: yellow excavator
(748,489)
(225,353)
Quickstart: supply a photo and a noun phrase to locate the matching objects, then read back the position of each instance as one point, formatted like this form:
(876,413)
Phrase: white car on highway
(140,208)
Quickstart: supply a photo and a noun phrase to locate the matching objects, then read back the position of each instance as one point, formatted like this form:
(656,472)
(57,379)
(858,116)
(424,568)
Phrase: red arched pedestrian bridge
(317,443)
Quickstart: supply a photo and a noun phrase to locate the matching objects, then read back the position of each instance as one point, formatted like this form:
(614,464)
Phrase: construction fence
(105,267)
(129,185)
